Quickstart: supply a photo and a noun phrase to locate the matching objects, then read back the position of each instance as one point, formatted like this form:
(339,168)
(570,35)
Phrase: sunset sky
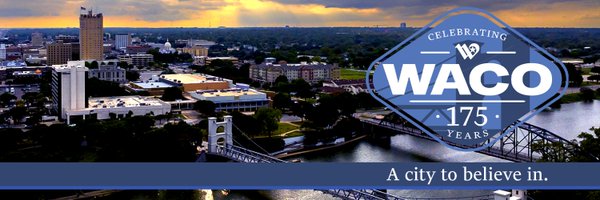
(305,13)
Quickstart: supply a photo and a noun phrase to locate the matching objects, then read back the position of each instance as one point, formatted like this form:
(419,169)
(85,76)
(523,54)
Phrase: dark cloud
(417,9)
(20,8)
(148,10)
(156,10)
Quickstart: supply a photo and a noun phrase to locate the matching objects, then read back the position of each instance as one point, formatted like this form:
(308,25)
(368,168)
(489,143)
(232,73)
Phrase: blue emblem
(466,77)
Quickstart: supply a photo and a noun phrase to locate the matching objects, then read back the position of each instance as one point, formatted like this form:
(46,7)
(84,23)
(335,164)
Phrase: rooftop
(296,66)
(123,101)
(190,78)
(79,65)
(152,84)
(228,92)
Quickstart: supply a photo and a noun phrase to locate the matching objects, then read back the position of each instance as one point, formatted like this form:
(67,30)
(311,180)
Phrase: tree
(17,113)
(268,119)
(246,123)
(588,151)
(282,84)
(132,75)
(205,107)
(98,88)
(593,78)
(366,101)
(587,94)
(6,98)
(281,79)
(302,88)
(10,138)
(575,77)
(94,65)
(302,108)
(220,63)
(304,59)
(172,94)
(129,114)
(595,70)
(112,115)
(346,103)
(124,65)
(325,114)
(30,97)
(282,101)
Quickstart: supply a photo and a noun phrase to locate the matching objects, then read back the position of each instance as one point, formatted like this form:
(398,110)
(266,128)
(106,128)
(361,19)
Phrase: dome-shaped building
(168,44)
(167,48)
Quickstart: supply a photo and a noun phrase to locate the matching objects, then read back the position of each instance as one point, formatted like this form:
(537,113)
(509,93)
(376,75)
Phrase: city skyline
(295,13)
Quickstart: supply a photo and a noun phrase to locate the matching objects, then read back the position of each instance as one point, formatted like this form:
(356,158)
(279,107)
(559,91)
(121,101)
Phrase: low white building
(120,106)
(71,103)
(234,99)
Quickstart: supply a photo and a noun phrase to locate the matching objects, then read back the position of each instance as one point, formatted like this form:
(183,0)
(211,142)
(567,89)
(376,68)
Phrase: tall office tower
(122,41)
(91,36)
(403,25)
(68,87)
(59,53)
(37,39)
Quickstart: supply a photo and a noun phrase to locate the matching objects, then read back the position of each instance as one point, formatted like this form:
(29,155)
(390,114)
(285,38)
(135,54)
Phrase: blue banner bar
(300,176)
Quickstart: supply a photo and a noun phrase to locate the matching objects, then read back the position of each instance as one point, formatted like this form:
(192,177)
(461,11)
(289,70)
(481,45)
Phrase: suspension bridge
(220,143)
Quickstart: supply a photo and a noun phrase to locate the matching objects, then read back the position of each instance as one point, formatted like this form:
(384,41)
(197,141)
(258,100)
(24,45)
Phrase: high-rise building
(59,53)
(122,40)
(2,52)
(68,87)
(37,39)
(91,36)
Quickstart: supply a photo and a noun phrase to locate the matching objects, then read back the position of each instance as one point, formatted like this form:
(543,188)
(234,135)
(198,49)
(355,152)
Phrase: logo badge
(468,51)
(466,77)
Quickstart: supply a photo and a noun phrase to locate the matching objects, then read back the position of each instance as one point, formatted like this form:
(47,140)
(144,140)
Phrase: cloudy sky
(244,13)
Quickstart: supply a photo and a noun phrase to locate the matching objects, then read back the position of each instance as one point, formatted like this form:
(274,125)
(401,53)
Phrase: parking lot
(19,90)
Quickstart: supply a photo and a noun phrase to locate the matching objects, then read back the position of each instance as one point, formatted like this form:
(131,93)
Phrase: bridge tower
(219,133)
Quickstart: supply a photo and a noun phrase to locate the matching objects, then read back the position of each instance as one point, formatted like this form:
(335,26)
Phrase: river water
(568,122)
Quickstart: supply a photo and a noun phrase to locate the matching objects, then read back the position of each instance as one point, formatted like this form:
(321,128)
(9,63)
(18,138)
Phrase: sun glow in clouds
(237,13)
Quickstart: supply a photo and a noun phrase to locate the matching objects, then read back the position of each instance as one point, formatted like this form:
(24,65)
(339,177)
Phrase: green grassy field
(586,71)
(294,134)
(284,127)
(348,74)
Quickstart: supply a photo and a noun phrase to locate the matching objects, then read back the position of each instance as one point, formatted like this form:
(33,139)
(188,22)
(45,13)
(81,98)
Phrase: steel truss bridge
(525,143)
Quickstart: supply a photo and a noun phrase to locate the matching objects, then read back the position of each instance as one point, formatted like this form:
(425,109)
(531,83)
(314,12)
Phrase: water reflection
(570,120)
(567,122)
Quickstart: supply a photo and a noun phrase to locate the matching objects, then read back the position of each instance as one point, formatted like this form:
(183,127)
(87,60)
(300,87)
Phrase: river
(568,122)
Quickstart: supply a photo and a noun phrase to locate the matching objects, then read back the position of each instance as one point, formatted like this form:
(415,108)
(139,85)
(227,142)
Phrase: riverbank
(575,97)
(325,147)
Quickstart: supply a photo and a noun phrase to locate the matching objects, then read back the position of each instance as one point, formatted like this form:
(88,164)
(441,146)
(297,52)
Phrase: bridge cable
(244,134)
